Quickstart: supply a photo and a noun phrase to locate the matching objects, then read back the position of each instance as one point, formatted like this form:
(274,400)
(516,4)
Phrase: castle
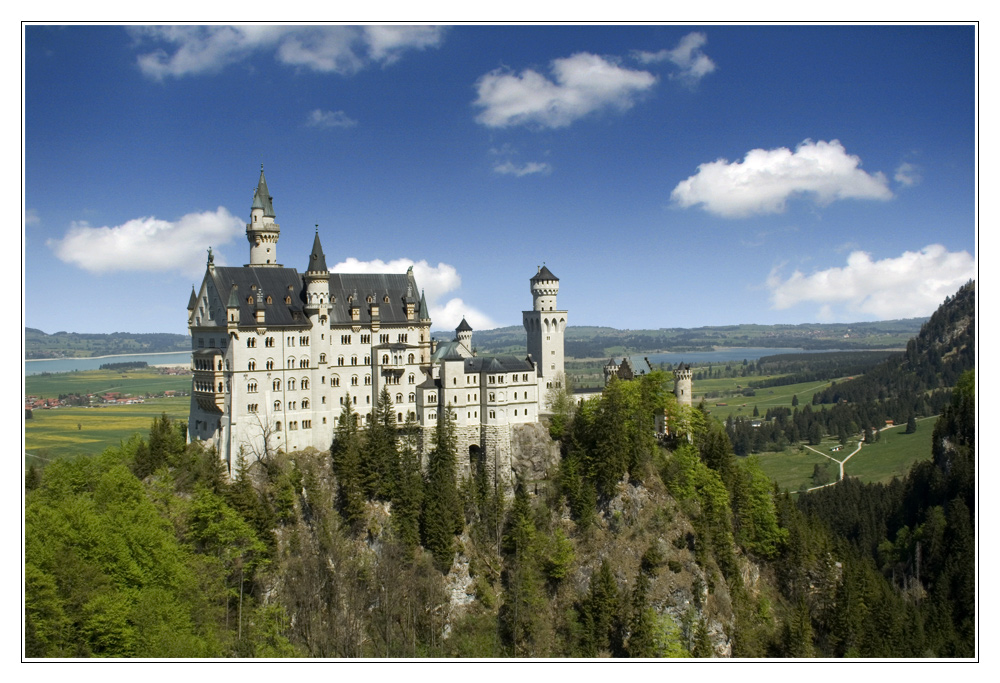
(276,354)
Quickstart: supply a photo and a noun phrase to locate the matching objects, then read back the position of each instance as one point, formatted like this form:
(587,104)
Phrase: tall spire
(261,197)
(317,261)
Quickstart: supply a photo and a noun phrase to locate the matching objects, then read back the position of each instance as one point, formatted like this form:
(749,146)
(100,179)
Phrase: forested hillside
(38,344)
(632,546)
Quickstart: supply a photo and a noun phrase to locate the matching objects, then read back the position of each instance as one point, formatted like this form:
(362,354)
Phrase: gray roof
(277,283)
(498,364)
(463,326)
(193,301)
(544,274)
(378,286)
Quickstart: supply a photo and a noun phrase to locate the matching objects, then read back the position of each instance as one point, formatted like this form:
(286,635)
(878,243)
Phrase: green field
(135,382)
(892,456)
(742,406)
(73,431)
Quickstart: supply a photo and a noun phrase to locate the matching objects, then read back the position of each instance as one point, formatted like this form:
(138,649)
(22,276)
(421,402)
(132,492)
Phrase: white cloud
(693,64)
(766,179)
(907,174)
(329,119)
(148,244)
(341,49)
(581,84)
(31,217)
(908,286)
(529,168)
(435,281)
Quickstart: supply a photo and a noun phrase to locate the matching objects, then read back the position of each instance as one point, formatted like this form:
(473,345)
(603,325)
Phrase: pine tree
(409,491)
(380,465)
(442,514)
(346,454)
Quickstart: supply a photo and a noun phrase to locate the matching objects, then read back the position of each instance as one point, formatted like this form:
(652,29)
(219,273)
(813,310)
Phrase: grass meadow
(74,431)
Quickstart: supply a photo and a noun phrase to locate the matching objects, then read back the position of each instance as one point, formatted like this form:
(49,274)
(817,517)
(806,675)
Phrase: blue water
(36,367)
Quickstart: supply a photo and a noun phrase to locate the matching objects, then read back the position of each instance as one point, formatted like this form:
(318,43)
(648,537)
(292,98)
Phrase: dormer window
(249,299)
(269,299)
(288,299)
(385,299)
(370,299)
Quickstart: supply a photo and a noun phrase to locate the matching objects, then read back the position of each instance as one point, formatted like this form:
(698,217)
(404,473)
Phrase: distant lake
(36,367)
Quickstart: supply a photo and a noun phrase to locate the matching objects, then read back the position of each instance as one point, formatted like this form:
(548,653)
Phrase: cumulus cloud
(529,168)
(148,244)
(435,281)
(187,50)
(580,84)
(907,174)
(329,119)
(692,63)
(766,179)
(908,286)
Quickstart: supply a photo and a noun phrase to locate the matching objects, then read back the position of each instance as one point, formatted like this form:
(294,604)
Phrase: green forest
(633,546)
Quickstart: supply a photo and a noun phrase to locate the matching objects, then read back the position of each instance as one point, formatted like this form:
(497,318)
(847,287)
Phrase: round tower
(682,384)
(463,334)
(317,281)
(544,288)
(262,231)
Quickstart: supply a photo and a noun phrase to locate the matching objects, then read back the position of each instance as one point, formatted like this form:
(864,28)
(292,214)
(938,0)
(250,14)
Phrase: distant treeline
(38,344)
(808,367)
(130,365)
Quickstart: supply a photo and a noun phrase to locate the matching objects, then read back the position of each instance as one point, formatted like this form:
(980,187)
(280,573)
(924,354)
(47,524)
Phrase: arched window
(322,358)
(252,365)
(304,363)
(399,398)
(413,380)
(305,403)
(276,385)
(291,363)
(409,359)
(305,383)
(291,384)
(413,397)
(277,406)
(354,360)
(354,383)
(277,426)
(340,360)
(252,386)
(270,364)
(335,381)
(385,359)
(251,342)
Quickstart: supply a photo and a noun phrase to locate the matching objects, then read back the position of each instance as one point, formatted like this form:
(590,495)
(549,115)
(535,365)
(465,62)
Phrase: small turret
(317,280)
(544,288)
(463,334)
(233,308)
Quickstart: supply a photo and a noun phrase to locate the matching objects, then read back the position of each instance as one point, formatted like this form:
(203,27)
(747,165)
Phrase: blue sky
(670,176)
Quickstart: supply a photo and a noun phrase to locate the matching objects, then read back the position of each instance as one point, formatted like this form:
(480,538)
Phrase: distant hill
(38,344)
(934,359)
(601,342)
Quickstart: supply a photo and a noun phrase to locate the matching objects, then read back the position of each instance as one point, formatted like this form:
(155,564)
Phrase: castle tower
(262,231)
(463,335)
(546,328)
(317,282)
(682,384)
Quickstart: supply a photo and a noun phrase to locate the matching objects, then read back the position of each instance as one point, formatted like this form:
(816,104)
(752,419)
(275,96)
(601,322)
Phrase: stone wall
(533,452)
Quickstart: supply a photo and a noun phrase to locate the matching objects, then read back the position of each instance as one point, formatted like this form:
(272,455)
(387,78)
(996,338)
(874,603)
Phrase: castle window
(277,426)
(354,360)
(252,408)
(304,363)
(413,397)
(369,299)
(399,398)
(291,405)
(383,338)
(276,385)
(252,365)
(277,406)
(493,397)
(340,360)
(335,381)
(368,360)
(269,342)
(322,358)
(368,380)
(305,383)
(345,339)
(249,299)
(354,383)
(270,364)
(366,339)
(291,384)
(251,342)
(288,299)
(307,424)
(412,379)
(305,403)
(409,359)
(291,363)
(385,359)
(252,386)
(268,299)
(385,299)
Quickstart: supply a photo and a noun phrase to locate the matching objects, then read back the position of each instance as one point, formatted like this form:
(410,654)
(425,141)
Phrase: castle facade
(276,353)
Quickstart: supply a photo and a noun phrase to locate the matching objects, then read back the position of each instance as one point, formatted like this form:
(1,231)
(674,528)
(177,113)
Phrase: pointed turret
(193,301)
(262,231)
(233,307)
(317,260)
(425,312)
